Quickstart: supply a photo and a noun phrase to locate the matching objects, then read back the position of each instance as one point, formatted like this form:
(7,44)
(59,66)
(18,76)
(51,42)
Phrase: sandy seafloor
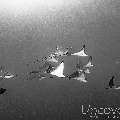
(27,36)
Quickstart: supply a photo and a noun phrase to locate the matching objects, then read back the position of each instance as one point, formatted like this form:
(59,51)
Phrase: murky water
(24,38)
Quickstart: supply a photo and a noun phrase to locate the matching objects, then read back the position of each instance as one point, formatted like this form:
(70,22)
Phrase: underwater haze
(30,35)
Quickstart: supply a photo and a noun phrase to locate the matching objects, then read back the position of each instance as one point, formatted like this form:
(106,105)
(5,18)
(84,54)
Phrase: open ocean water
(26,36)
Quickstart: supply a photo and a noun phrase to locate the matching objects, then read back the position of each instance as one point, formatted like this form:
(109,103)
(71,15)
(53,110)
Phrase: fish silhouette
(2,90)
(112,84)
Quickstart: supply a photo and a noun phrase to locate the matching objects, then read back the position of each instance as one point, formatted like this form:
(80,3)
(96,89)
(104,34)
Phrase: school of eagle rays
(54,67)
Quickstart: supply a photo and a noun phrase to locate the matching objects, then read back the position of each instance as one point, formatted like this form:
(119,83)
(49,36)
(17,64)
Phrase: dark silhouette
(2,90)
(83,46)
(111,82)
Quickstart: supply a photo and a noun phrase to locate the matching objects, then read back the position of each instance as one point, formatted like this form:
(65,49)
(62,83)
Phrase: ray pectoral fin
(59,70)
(80,53)
(9,75)
(88,65)
(83,80)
